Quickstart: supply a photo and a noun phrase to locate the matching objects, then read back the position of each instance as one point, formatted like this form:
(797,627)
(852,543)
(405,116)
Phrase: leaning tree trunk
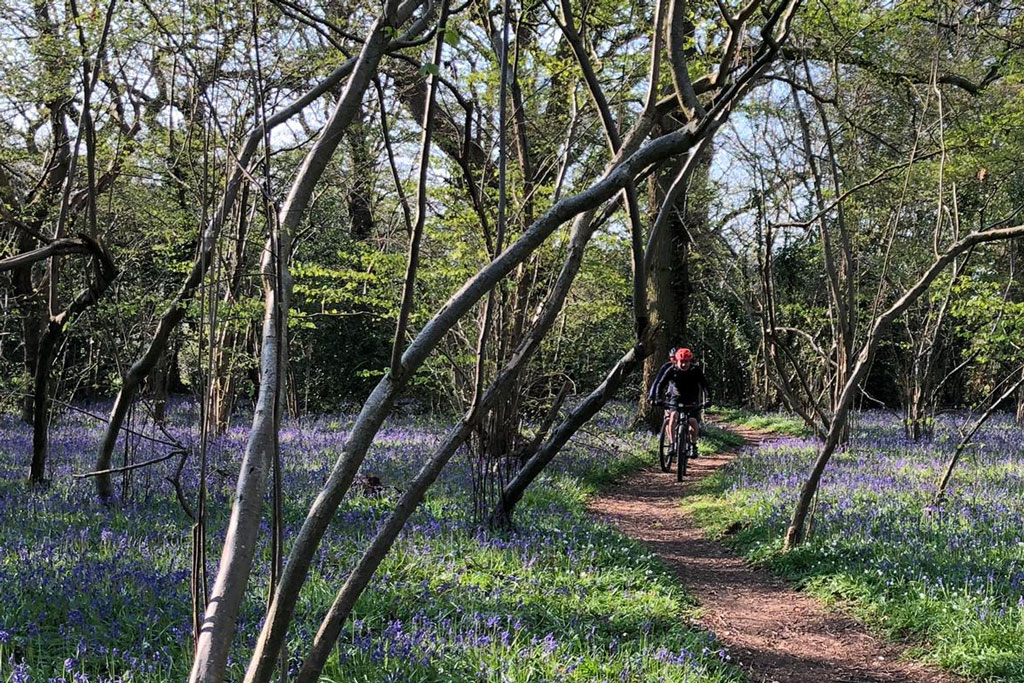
(837,427)
(513,493)
(583,230)
(623,170)
(219,619)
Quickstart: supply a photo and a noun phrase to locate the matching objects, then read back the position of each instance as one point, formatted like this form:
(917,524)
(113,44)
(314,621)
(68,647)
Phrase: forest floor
(771,631)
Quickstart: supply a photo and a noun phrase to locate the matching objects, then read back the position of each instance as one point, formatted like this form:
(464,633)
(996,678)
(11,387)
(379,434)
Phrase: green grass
(777,423)
(712,511)
(715,439)
(564,597)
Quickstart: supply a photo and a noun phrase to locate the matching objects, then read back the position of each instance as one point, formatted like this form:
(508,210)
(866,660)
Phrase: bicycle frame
(681,445)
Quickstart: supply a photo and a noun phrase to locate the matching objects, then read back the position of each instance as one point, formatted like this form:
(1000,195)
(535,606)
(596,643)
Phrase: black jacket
(680,386)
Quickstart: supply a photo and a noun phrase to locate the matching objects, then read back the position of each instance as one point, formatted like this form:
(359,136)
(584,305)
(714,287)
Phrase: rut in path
(771,631)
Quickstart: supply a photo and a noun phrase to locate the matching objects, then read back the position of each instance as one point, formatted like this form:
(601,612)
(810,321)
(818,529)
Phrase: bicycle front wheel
(683,448)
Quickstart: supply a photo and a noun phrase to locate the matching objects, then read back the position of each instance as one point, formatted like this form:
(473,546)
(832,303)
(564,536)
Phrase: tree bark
(669,277)
(104,274)
(40,401)
(359,200)
(31,311)
(513,493)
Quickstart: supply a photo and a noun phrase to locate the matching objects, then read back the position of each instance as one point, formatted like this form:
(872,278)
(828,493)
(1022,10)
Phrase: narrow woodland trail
(771,631)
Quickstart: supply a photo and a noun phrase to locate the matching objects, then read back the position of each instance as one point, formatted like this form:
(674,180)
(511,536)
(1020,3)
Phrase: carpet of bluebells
(949,579)
(92,592)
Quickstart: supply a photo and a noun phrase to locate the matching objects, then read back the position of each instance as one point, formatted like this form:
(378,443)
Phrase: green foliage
(989,323)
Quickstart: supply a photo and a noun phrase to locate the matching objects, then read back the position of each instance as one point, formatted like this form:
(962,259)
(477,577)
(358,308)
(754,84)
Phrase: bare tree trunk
(160,387)
(222,389)
(40,402)
(513,493)
(175,312)
(233,572)
(624,169)
(405,308)
(669,277)
(795,533)
(31,311)
(378,405)
(104,274)
(130,386)
(360,213)
(230,336)
(583,229)
(923,382)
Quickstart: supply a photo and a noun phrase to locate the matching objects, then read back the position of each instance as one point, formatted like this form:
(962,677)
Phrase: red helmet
(684,355)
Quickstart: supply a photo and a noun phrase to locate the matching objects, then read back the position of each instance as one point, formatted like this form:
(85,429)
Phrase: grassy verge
(95,594)
(714,439)
(949,582)
(777,423)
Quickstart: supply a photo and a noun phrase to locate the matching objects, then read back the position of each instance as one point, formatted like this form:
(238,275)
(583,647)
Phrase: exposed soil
(773,632)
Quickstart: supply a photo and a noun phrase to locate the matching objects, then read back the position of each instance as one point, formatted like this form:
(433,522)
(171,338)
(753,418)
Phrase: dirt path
(771,631)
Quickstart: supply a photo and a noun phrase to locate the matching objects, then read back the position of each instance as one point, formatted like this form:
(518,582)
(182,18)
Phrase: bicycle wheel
(665,454)
(683,449)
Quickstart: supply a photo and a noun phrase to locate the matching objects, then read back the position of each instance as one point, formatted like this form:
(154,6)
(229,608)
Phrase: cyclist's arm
(659,380)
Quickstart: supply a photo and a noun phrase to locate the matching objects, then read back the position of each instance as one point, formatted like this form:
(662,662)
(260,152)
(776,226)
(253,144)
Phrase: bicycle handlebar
(680,406)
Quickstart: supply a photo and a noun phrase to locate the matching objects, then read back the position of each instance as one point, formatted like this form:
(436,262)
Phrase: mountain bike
(682,449)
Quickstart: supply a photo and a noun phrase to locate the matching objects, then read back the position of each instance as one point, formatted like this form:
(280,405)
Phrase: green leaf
(429,69)
(452,37)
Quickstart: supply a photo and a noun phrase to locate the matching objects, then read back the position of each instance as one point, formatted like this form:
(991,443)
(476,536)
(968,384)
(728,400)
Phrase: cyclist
(684,383)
